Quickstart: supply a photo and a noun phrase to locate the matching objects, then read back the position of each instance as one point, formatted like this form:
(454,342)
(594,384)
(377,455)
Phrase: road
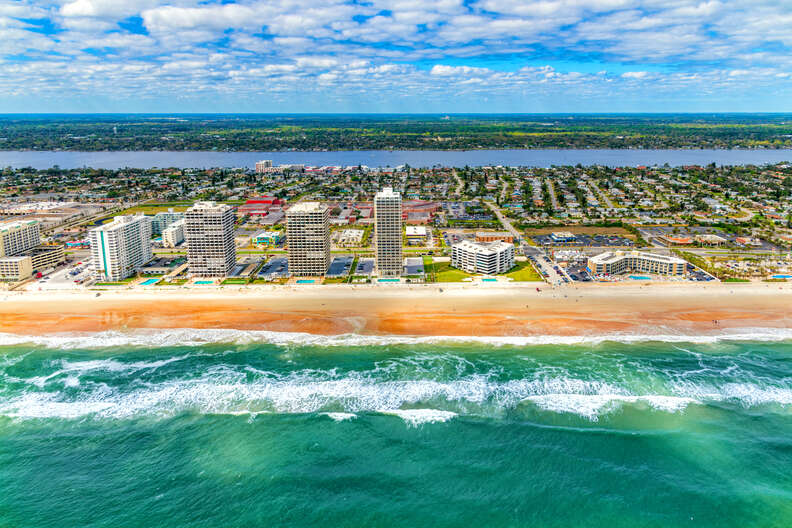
(603,197)
(458,190)
(551,190)
(505,222)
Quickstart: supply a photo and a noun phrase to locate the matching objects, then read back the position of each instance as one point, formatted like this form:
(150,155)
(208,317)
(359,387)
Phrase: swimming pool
(388,280)
(639,277)
(489,280)
(204,282)
(305,281)
(149,282)
(782,276)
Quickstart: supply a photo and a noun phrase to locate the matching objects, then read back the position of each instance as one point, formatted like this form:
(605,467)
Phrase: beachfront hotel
(17,236)
(308,236)
(209,234)
(617,262)
(489,258)
(121,247)
(388,232)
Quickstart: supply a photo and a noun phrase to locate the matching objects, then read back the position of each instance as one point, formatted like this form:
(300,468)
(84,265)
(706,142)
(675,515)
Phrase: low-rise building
(618,262)
(15,269)
(489,258)
(494,236)
(267,238)
(164,219)
(416,234)
(173,235)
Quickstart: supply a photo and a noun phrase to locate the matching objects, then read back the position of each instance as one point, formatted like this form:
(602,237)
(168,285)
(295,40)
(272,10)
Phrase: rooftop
(307,207)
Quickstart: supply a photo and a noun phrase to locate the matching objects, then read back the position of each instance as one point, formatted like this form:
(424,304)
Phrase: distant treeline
(246,132)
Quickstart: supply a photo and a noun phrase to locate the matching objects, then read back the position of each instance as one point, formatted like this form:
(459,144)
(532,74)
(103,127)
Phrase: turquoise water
(221,428)
(489,280)
(149,282)
(305,281)
(639,277)
(204,282)
(388,280)
(782,276)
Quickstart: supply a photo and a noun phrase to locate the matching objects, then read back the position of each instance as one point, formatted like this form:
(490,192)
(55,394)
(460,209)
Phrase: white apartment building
(616,262)
(388,232)
(120,248)
(173,235)
(164,219)
(209,234)
(489,258)
(17,236)
(308,236)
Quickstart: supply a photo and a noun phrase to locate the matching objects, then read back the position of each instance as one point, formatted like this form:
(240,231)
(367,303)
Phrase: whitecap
(416,417)
(200,337)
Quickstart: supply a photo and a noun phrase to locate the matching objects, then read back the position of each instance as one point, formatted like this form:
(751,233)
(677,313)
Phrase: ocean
(199,428)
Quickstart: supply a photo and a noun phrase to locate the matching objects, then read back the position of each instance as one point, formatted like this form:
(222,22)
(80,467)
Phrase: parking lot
(578,270)
(365,267)
(340,266)
(585,241)
(276,268)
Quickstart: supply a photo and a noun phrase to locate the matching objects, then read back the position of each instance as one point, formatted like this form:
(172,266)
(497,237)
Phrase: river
(391,158)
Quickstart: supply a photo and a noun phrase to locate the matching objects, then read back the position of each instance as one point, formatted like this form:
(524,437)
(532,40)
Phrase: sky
(394,56)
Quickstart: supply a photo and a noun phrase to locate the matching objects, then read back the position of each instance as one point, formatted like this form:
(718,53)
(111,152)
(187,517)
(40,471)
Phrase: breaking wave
(233,390)
(200,337)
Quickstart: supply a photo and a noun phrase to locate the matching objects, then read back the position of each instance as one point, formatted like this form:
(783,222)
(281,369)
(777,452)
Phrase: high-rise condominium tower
(308,237)
(120,248)
(209,234)
(387,222)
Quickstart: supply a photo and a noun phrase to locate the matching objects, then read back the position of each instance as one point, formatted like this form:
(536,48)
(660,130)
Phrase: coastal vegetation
(269,132)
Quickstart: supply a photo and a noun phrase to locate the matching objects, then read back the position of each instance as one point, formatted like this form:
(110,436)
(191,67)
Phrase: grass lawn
(523,272)
(238,282)
(734,279)
(335,280)
(152,209)
(443,272)
(174,282)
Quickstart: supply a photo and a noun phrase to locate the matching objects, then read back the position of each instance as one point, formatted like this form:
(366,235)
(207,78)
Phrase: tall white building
(209,234)
(16,237)
(388,232)
(121,247)
(308,236)
(173,235)
(489,258)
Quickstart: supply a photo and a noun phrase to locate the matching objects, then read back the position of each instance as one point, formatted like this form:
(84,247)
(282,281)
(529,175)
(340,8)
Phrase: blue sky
(395,56)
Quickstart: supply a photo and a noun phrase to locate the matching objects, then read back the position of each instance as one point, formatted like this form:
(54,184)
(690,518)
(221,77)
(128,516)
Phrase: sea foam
(198,337)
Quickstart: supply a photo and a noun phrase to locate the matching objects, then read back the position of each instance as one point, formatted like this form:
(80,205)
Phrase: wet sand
(421,310)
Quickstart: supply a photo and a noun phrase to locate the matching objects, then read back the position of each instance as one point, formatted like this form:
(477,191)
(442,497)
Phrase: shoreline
(421,311)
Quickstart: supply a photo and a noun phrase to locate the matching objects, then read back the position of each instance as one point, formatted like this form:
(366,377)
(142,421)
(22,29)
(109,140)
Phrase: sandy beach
(447,310)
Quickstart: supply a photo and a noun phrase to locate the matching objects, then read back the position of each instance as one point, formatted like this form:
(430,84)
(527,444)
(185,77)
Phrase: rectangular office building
(388,232)
(308,236)
(120,248)
(209,234)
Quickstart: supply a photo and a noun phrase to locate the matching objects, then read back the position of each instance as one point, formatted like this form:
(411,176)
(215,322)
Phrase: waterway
(391,158)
